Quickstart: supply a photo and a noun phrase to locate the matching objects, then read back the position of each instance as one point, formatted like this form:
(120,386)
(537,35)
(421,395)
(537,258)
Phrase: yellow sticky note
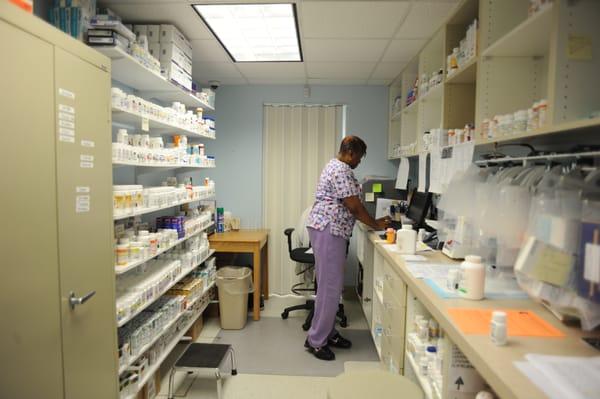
(579,47)
(377,188)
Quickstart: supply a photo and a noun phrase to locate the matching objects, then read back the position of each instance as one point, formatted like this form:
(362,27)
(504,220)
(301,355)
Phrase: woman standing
(330,224)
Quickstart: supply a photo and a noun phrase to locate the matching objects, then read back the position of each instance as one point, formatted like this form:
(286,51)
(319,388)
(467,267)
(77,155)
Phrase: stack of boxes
(167,44)
(72,16)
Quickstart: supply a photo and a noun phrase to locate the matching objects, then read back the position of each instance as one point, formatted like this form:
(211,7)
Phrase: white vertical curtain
(298,140)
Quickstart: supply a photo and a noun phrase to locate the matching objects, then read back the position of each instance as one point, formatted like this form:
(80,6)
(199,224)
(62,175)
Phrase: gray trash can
(234,284)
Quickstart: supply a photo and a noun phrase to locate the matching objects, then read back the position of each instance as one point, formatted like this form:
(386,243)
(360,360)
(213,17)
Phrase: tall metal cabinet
(56,240)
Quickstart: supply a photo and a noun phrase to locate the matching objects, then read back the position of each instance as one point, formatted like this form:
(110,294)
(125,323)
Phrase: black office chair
(299,255)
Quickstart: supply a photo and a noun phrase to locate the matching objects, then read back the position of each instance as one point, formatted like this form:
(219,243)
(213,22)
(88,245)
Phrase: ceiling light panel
(254,32)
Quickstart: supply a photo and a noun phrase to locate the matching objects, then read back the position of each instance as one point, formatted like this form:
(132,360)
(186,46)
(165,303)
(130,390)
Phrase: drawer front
(393,317)
(393,284)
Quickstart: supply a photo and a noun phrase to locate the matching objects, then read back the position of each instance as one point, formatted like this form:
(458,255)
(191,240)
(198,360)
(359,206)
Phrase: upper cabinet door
(84,181)
(30,336)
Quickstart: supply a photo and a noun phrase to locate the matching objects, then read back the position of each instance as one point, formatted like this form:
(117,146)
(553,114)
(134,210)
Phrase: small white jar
(498,330)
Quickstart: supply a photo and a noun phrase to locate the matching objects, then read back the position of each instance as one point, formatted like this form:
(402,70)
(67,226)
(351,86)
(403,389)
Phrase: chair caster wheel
(234,372)
(284,315)
(305,327)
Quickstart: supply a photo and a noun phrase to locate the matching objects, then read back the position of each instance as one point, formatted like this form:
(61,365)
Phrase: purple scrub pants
(330,258)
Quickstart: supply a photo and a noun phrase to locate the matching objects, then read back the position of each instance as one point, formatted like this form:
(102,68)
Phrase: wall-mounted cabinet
(541,62)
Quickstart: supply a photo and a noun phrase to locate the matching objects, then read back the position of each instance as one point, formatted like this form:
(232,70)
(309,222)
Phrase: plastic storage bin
(234,284)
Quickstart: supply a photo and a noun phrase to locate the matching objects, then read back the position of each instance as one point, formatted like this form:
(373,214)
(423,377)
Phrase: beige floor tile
(251,386)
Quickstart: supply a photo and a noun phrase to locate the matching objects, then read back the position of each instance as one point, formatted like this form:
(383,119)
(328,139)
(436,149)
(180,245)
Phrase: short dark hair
(353,144)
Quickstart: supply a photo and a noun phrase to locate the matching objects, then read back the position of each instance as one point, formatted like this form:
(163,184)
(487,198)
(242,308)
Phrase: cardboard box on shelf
(153,33)
(170,34)
(175,73)
(154,49)
(170,52)
(195,329)
(140,30)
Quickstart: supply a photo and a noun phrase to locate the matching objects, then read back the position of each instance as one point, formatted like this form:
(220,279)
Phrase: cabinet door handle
(74,301)
(367,299)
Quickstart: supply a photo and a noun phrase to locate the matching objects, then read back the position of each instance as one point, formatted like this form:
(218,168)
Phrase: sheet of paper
(369,197)
(382,207)
(408,258)
(422,247)
(523,323)
(422,172)
(573,377)
(429,270)
(402,175)
(435,171)
(492,291)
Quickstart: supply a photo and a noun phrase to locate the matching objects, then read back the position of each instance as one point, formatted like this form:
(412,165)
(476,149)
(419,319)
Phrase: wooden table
(255,242)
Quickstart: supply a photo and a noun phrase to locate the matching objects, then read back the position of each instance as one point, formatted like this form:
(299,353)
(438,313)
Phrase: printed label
(66,139)
(66,132)
(66,108)
(88,143)
(68,124)
(66,93)
(82,203)
(82,189)
(145,124)
(89,158)
(66,117)
(86,165)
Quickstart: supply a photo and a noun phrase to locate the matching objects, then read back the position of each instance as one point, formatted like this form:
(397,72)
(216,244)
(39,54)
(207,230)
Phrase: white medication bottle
(406,240)
(472,284)
(423,330)
(423,366)
(498,332)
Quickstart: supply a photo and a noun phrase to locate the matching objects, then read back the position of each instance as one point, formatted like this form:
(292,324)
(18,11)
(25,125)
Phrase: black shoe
(323,353)
(339,342)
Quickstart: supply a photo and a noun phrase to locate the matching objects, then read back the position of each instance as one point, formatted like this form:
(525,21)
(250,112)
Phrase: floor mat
(275,346)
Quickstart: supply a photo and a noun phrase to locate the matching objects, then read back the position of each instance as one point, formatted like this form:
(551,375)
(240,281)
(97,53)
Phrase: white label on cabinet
(63,123)
(66,93)
(66,132)
(86,165)
(66,139)
(145,124)
(82,203)
(88,143)
(66,108)
(66,117)
(85,157)
(82,189)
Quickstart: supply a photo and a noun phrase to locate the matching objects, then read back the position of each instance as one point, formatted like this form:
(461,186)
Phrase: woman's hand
(383,223)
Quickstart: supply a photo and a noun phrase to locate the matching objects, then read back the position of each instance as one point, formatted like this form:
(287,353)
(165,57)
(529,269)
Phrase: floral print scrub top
(337,182)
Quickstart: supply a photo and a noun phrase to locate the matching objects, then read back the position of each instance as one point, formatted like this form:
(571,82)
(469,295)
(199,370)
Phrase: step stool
(203,359)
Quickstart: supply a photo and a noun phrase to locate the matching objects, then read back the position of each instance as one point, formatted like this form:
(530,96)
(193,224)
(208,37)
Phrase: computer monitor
(418,207)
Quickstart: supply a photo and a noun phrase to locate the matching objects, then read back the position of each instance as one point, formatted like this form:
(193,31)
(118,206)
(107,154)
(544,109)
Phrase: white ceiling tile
(351,19)
(274,70)
(225,82)
(403,50)
(379,82)
(209,50)
(205,71)
(388,70)
(340,50)
(336,82)
(339,70)
(181,15)
(276,81)
(424,19)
